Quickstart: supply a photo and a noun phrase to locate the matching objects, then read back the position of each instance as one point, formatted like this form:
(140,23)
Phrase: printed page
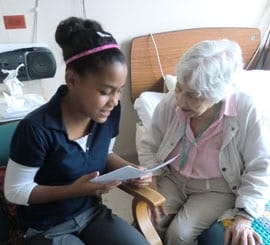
(129,172)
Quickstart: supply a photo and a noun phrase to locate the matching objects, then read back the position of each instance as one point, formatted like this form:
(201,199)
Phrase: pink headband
(91,51)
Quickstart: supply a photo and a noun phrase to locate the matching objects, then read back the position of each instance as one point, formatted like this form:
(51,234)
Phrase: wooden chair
(144,198)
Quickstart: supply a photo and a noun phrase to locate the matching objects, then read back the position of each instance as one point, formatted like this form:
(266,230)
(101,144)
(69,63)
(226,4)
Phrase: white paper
(129,172)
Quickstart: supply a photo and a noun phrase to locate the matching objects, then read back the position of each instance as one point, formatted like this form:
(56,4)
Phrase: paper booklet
(129,172)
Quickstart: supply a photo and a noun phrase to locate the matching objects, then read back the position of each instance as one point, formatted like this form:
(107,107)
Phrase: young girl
(59,148)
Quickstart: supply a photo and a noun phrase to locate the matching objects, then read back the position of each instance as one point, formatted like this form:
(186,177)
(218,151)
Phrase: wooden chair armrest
(145,198)
(153,198)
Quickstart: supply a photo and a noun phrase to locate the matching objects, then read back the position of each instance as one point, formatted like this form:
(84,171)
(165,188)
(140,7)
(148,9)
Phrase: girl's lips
(105,113)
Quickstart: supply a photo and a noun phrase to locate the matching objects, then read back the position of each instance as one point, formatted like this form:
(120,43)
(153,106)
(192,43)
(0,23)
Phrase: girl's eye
(110,92)
(105,92)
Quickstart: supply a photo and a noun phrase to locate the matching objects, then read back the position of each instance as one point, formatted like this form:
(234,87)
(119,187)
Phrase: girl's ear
(71,78)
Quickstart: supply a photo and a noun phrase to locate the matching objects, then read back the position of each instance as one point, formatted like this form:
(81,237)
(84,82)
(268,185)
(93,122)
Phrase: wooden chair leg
(143,199)
(143,221)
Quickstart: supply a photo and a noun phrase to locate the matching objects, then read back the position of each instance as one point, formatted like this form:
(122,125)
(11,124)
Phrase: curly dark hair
(75,35)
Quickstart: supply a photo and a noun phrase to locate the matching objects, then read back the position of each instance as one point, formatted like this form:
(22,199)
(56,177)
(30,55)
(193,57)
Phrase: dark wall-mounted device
(39,62)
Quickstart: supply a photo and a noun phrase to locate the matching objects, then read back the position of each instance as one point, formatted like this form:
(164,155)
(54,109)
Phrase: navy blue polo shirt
(41,140)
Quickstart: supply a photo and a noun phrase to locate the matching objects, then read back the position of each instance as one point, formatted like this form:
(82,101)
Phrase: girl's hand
(241,233)
(84,187)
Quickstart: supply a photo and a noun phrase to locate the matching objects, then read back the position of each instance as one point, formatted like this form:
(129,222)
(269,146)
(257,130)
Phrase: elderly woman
(223,171)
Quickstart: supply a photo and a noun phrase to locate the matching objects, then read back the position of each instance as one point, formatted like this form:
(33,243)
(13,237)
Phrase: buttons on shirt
(223,169)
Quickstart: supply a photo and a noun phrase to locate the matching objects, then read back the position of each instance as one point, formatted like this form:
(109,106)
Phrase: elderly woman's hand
(241,233)
(156,213)
(145,180)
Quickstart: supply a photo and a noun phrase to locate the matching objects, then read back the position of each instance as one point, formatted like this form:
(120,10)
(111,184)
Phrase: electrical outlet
(14,21)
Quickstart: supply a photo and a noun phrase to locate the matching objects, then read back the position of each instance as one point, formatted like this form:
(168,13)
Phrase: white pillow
(145,105)
(170,82)
(256,83)
(140,130)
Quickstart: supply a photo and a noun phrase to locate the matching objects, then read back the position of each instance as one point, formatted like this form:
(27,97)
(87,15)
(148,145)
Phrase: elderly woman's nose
(182,100)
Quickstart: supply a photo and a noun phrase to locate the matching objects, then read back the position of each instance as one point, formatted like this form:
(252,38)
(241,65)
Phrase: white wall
(125,20)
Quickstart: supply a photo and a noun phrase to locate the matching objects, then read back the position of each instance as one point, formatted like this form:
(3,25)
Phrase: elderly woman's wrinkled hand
(144,180)
(241,233)
(156,214)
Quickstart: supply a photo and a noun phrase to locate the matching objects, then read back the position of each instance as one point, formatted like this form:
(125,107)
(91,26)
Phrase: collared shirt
(203,158)
(41,140)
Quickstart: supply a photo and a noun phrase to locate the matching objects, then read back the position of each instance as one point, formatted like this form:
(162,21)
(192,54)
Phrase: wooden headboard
(145,69)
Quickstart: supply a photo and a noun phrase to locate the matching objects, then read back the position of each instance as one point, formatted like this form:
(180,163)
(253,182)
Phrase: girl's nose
(115,98)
